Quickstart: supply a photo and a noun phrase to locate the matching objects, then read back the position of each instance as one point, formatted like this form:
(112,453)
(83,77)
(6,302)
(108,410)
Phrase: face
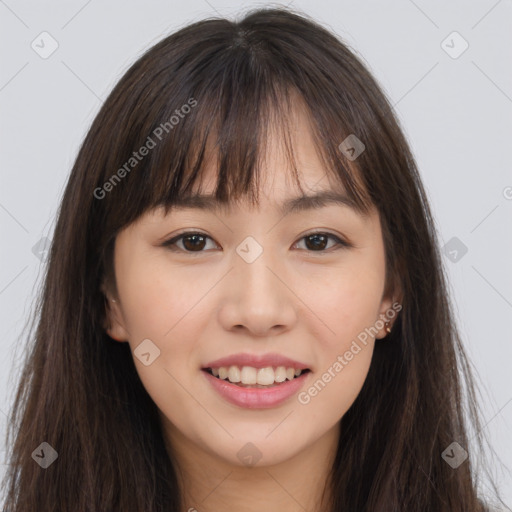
(267,290)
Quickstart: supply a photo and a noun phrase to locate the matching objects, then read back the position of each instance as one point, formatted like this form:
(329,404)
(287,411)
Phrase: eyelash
(172,242)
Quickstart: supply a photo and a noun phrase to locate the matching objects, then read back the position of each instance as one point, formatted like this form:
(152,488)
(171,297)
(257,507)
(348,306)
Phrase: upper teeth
(251,375)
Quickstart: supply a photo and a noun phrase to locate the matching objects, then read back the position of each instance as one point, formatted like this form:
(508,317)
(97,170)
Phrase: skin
(310,307)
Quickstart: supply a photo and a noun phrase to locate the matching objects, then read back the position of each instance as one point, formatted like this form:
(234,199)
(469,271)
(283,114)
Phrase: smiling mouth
(250,377)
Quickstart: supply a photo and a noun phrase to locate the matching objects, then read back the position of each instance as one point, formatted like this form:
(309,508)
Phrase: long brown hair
(223,84)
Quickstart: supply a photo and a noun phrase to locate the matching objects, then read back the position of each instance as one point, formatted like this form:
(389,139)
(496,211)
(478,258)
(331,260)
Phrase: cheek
(333,391)
(344,357)
(155,300)
(168,309)
(345,301)
(159,307)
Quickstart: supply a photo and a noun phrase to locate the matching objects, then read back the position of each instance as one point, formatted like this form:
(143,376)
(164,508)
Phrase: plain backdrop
(445,67)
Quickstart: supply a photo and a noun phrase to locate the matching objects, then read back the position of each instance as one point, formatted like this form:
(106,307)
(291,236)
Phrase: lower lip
(256,398)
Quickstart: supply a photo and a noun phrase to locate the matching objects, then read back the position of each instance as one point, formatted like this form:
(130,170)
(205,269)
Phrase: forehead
(287,205)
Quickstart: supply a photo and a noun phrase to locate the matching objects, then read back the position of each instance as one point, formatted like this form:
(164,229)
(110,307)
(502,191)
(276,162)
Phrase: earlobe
(387,316)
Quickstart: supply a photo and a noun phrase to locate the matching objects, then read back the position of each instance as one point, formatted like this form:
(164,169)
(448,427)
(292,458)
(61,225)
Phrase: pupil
(189,237)
(315,244)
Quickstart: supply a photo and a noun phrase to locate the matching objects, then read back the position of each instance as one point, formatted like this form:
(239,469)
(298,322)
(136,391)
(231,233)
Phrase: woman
(201,343)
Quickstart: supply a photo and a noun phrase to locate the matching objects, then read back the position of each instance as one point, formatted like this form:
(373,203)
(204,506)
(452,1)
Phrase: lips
(249,379)
(256,398)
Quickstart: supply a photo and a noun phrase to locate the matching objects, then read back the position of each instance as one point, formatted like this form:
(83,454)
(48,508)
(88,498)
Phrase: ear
(388,312)
(114,324)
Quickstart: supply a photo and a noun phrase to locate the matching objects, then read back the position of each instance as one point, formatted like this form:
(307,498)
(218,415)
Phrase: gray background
(456,111)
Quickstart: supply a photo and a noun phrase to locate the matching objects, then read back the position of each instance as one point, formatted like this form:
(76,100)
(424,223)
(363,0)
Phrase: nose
(257,297)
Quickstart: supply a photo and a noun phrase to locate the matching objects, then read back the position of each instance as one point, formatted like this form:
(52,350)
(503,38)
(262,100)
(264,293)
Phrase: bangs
(232,131)
(186,123)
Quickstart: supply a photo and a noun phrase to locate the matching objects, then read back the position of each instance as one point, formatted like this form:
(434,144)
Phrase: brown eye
(194,242)
(317,242)
(191,242)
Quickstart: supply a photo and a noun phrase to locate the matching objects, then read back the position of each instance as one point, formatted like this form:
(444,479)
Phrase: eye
(194,242)
(318,240)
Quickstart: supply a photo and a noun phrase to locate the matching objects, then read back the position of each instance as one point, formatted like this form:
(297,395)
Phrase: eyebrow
(296,204)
